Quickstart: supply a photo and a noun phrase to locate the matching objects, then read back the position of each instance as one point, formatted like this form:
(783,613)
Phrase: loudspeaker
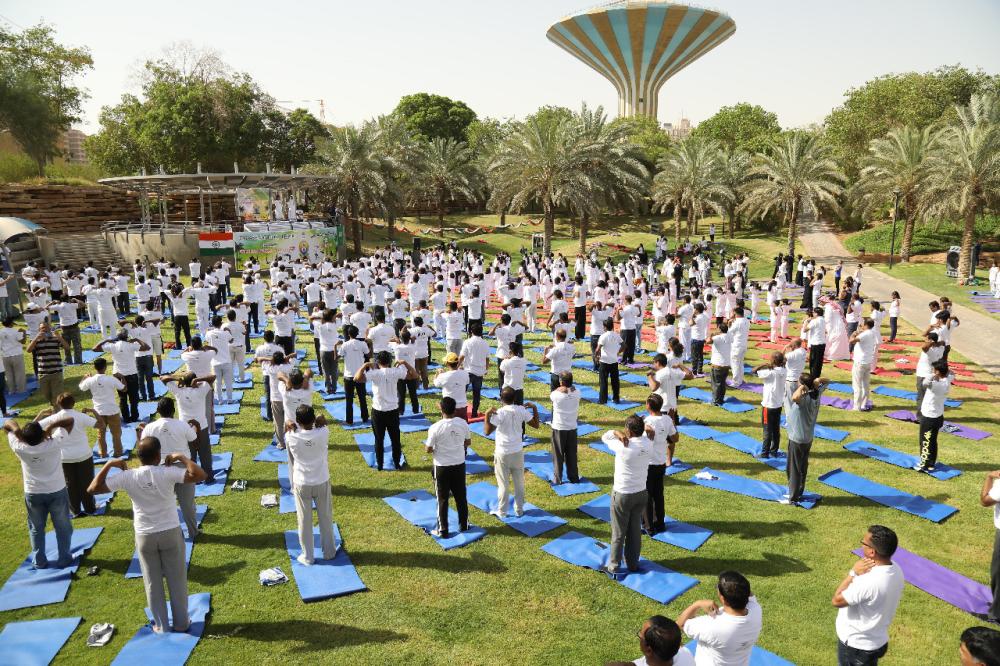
(951,261)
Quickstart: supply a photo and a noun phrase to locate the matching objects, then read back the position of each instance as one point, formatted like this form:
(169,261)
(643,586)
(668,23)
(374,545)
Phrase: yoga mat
(938,581)
(678,533)
(419,508)
(903,394)
(698,431)
(149,649)
(272,453)
(730,404)
(247,383)
(590,394)
(949,427)
(29,587)
(758,656)
(764,490)
(838,387)
(323,579)
(366,443)
(89,355)
(134,570)
(225,410)
(752,447)
(970,385)
(888,496)
(632,378)
(221,464)
(128,445)
(535,521)
(286,500)
(652,580)
(898,458)
(474,463)
(677,466)
(823,432)
(36,642)
(539,463)
(171,365)
(478,428)
(338,411)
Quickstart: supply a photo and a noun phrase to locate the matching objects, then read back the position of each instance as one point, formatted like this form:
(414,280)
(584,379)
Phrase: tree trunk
(503,216)
(355,226)
(390,221)
(584,228)
(440,213)
(690,220)
(41,167)
(550,228)
(677,225)
(908,225)
(793,222)
(968,233)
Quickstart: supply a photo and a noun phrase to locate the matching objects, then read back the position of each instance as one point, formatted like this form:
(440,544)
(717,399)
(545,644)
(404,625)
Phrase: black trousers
(553,381)
(382,423)
(182,324)
(144,364)
(593,349)
(836,284)
(719,375)
(123,308)
(286,342)
(929,427)
(128,400)
(268,416)
(78,477)
(580,317)
(994,611)
(477,392)
(628,345)
(697,356)
(608,371)
(770,421)
(653,519)
(450,480)
(253,318)
(350,386)
(816,354)
(328,360)
(893,326)
(404,386)
(564,449)
(319,363)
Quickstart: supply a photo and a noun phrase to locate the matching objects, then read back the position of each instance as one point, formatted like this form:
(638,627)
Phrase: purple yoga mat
(962,431)
(945,584)
(747,386)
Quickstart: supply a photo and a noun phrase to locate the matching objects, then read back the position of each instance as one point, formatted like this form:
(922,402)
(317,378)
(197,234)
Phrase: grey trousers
(626,527)
(161,555)
(564,445)
(72,335)
(185,500)
(16,379)
(798,468)
(304,498)
(278,415)
(994,611)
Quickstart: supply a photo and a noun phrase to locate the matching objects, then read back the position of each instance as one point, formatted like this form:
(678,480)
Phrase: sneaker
(919,468)
(302,559)
(610,570)
(785,500)
(498,513)
(439,534)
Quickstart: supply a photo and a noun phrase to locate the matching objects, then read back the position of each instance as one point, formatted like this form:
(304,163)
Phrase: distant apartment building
(681,131)
(72,147)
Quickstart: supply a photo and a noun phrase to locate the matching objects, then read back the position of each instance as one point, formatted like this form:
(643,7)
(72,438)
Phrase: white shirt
(774,387)
(151,488)
(328,336)
(513,372)
(722,349)
(631,462)
(668,378)
(191,401)
(816,335)
(452,384)
(67,313)
(561,357)
(10,341)
(724,639)
(508,420)
(864,347)
(310,463)
(174,435)
(284,322)
(565,409)
(795,364)
(75,444)
(872,599)
(927,360)
(610,343)
(995,495)
(663,428)
(383,381)
(380,336)
(41,465)
(123,354)
(447,438)
(353,351)
(291,399)
(506,335)
(453,325)
(199,361)
(221,339)
(934,397)
(476,352)
(104,390)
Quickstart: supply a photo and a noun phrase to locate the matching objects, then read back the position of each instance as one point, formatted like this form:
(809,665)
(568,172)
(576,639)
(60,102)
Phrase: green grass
(927,238)
(932,278)
(502,600)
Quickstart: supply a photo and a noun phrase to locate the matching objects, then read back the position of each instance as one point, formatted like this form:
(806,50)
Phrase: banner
(216,243)
(253,203)
(309,244)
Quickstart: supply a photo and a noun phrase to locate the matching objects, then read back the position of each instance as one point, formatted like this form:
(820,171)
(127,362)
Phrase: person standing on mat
(565,413)
(801,410)
(447,442)
(453,382)
(159,542)
(774,377)
(308,442)
(815,330)
(45,493)
(609,347)
(190,392)
(699,333)
(739,333)
(932,415)
(508,454)
(864,342)
(559,356)
(474,357)
(580,295)
(385,402)
(722,352)
(353,350)
(633,453)
(47,348)
(989,496)
(175,436)
(728,634)
(867,599)
(77,456)
(660,429)
(513,368)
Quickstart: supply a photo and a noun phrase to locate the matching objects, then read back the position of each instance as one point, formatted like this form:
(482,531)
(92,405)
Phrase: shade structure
(638,45)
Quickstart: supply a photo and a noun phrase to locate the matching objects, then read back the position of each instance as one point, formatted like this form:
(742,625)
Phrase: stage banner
(253,204)
(308,244)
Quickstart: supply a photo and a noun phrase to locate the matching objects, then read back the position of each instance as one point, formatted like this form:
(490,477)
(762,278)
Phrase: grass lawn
(931,277)
(927,238)
(502,600)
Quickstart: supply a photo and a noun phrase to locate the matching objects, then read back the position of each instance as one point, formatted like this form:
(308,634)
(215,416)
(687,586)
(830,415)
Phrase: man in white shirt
(453,322)
(699,333)
(739,333)
(175,436)
(633,452)
(867,600)
(513,368)
(191,393)
(447,442)
(159,541)
(722,353)
(774,377)
(123,350)
(815,330)
(725,635)
(380,334)
(385,402)
(865,342)
(77,456)
(308,441)
(631,319)
(221,340)
(475,358)
(565,412)
(104,393)
(12,351)
(662,432)
(453,381)
(69,324)
(353,350)
(198,358)
(608,348)
(660,643)
(932,415)
(559,356)
(508,454)
(989,496)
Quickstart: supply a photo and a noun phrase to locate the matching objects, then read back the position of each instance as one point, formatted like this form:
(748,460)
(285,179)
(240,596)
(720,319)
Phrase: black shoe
(609,570)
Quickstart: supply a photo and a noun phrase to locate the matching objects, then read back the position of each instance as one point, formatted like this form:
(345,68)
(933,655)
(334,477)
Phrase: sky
(796,58)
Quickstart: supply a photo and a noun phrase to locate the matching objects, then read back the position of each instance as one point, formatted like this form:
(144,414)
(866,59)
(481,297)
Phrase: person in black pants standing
(816,337)
(385,402)
(609,346)
(447,441)
(354,352)
(580,307)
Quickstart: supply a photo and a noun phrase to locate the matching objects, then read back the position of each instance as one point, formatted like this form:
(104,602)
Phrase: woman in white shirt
(932,415)
(894,306)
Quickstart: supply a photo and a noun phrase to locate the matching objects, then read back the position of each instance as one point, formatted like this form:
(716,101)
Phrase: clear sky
(794,57)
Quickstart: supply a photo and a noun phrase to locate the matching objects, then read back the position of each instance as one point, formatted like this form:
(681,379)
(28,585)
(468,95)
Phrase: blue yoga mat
(903,394)
(764,490)
(419,508)
(89,355)
(730,404)
(590,394)
(677,466)
(652,580)
(171,365)
(898,458)
(539,463)
(680,534)
(758,656)
(490,393)
(750,446)
(135,571)
(29,587)
(888,496)
(698,431)
(837,387)
(478,428)
(323,579)
(632,378)
(272,453)
(338,411)
(225,410)
(535,521)
(221,464)
(366,442)
(149,649)
(320,387)
(823,432)
(474,463)
(30,385)
(36,642)
(286,501)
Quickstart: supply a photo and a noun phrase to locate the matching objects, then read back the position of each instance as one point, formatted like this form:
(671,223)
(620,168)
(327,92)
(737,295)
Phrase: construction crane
(322,105)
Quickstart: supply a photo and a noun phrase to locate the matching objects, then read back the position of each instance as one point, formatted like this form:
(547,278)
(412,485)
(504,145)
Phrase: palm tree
(734,170)
(668,190)
(401,162)
(897,163)
(448,169)
(964,170)
(798,170)
(690,177)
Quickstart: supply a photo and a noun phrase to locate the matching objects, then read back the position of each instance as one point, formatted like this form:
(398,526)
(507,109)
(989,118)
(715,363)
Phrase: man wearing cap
(453,380)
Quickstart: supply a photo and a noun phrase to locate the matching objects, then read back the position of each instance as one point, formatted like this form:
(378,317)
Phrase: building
(72,148)
(638,44)
(679,132)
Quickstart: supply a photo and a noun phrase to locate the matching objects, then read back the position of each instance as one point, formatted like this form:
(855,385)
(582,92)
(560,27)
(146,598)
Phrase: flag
(216,243)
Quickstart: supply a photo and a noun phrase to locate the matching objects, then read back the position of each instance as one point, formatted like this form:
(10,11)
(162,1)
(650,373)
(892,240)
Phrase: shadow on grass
(304,635)
(772,564)
(475,563)
(214,575)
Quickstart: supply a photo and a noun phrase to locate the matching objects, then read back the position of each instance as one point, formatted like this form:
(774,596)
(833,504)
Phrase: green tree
(799,170)
(653,140)
(743,126)
(291,138)
(690,177)
(734,174)
(402,164)
(38,100)
(448,169)
(435,116)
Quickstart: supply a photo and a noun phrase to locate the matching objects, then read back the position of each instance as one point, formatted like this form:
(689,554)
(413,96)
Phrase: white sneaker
(302,559)
(498,513)
(785,500)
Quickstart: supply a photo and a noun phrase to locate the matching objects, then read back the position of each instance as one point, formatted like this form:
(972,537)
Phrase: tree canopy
(743,126)
(645,132)
(431,116)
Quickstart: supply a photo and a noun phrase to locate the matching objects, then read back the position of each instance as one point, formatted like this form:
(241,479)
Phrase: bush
(926,238)
(16,168)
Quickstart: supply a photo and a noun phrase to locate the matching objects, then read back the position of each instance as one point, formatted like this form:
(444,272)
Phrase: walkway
(977,336)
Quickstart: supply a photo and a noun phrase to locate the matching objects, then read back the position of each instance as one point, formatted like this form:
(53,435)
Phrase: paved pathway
(978,336)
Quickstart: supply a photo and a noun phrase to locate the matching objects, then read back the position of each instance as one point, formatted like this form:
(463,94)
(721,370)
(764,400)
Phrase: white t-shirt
(10,341)
(221,339)
(872,599)
(816,335)
(41,465)
(610,343)
(663,428)
(561,357)
(927,360)
(513,372)
(774,387)
(631,462)
(508,420)
(668,379)
(151,488)
(353,351)
(328,336)
(380,335)
(795,364)
(310,463)
(291,399)
(722,349)
(565,409)
(191,401)
(453,384)
(476,352)
(104,389)
(724,639)
(174,435)
(934,396)
(385,398)
(199,361)
(864,347)
(447,437)
(75,445)
(995,495)
(453,325)
(123,354)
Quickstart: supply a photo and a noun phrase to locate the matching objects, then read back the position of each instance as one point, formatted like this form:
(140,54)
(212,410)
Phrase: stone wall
(179,247)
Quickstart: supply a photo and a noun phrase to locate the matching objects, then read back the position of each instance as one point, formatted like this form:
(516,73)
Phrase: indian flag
(216,243)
